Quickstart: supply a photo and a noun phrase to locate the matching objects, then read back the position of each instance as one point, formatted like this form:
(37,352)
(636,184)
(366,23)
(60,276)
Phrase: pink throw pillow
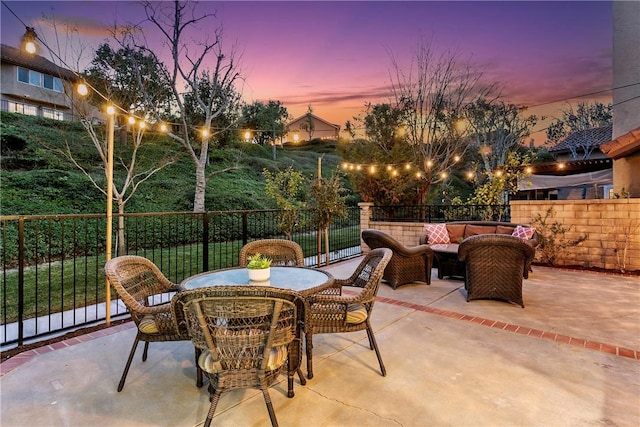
(524,233)
(437,234)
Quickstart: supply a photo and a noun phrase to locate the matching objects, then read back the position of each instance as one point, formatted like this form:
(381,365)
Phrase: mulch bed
(634,273)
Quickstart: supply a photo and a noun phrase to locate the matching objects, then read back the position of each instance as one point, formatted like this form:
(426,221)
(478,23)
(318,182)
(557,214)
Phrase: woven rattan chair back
(139,283)
(333,312)
(281,252)
(409,264)
(495,266)
(248,336)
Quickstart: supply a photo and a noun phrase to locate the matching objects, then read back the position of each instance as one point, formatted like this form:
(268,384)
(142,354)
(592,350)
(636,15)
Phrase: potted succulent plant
(258,267)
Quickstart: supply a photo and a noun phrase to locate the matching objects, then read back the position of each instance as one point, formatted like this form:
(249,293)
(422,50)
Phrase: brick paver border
(522,330)
(20,359)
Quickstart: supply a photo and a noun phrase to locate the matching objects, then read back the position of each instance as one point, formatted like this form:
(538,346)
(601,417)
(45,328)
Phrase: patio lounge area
(571,357)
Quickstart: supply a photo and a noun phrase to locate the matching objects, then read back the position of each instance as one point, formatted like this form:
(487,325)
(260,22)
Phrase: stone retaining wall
(606,222)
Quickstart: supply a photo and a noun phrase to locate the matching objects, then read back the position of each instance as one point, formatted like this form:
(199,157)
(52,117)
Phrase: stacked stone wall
(612,226)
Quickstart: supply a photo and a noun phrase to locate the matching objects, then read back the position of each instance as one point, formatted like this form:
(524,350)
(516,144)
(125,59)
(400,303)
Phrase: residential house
(33,85)
(580,171)
(308,127)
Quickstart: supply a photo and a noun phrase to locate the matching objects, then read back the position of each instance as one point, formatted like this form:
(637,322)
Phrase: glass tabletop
(301,279)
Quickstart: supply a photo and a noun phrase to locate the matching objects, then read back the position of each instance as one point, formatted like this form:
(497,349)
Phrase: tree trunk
(121,242)
(201,184)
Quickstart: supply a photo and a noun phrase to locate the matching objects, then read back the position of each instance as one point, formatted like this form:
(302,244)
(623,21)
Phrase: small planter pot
(259,275)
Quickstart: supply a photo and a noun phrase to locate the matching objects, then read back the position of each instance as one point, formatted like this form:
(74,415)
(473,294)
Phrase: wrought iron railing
(441,213)
(52,277)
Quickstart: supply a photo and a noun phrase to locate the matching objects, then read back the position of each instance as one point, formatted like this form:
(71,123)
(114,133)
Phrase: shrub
(552,237)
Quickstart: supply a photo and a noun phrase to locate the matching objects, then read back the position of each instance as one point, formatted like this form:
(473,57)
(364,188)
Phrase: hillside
(36,178)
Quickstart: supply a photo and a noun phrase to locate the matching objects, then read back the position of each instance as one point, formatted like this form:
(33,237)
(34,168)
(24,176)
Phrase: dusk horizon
(336,56)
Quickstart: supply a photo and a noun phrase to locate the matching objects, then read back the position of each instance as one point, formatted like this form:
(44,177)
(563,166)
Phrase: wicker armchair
(137,281)
(247,335)
(281,252)
(407,265)
(332,312)
(495,266)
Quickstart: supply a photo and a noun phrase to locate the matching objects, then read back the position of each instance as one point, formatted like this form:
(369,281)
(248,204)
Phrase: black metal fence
(52,277)
(52,265)
(441,213)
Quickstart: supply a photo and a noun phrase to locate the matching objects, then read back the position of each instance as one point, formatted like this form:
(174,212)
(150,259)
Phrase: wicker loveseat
(445,248)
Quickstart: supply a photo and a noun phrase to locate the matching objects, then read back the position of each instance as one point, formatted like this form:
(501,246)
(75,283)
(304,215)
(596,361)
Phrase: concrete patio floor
(571,357)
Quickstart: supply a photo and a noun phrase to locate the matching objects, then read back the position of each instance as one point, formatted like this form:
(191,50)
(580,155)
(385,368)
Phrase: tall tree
(129,78)
(128,177)
(267,121)
(308,125)
(378,167)
(497,129)
(585,116)
(208,73)
(433,92)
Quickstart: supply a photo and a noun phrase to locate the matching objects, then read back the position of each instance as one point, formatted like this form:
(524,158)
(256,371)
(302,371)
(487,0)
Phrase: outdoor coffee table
(448,262)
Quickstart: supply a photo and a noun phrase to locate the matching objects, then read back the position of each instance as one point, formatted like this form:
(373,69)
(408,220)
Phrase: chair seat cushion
(277,357)
(356,313)
(148,325)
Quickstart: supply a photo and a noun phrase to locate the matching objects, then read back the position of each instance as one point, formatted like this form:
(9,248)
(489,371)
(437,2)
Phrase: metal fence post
(205,241)
(21,281)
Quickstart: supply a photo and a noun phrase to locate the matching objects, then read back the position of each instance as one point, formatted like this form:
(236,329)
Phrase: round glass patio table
(305,280)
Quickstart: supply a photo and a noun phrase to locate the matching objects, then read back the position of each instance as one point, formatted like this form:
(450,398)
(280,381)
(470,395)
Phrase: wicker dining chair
(247,335)
(281,252)
(332,312)
(139,283)
(495,266)
(408,264)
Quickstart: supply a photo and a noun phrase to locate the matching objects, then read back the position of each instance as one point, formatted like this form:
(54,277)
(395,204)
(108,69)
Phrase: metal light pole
(110,133)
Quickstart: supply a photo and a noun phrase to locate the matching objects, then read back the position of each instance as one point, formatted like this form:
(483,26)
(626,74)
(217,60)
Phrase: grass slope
(37,179)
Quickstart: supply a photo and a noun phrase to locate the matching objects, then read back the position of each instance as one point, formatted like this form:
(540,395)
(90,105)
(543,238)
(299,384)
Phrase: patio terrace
(571,357)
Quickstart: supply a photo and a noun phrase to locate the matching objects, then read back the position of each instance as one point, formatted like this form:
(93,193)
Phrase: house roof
(304,116)
(571,167)
(587,138)
(623,146)
(15,56)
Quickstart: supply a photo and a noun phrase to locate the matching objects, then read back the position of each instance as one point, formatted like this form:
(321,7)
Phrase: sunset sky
(335,56)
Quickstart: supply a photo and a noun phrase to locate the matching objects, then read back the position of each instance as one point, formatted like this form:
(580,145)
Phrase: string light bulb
(205,133)
(163,127)
(132,120)
(82,89)
(29,41)
(111,110)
